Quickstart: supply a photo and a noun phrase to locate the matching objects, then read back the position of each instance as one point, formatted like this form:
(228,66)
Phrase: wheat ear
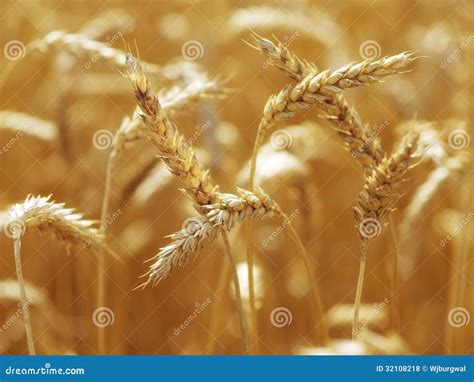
(180,159)
(47,216)
(375,202)
(323,89)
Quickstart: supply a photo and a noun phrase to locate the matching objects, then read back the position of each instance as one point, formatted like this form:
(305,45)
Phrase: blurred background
(64,87)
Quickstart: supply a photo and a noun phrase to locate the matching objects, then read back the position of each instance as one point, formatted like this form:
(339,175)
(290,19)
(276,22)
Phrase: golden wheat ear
(45,215)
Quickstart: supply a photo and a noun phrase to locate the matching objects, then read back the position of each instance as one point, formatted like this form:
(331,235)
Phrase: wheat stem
(395,295)
(360,285)
(238,296)
(251,285)
(317,305)
(101,281)
(24,299)
(220,288)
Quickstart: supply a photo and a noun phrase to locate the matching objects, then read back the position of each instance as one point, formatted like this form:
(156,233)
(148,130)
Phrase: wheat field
(236,177)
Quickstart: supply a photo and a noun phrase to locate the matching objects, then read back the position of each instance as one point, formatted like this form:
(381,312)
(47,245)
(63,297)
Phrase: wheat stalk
(42,214)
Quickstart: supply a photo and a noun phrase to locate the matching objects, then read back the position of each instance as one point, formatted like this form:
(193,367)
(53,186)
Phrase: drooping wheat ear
(83,47)
(278,55)
(177,152)
(49,217)
(27,124)
(223,215)
(376,201)
(344,118)
(321,89)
